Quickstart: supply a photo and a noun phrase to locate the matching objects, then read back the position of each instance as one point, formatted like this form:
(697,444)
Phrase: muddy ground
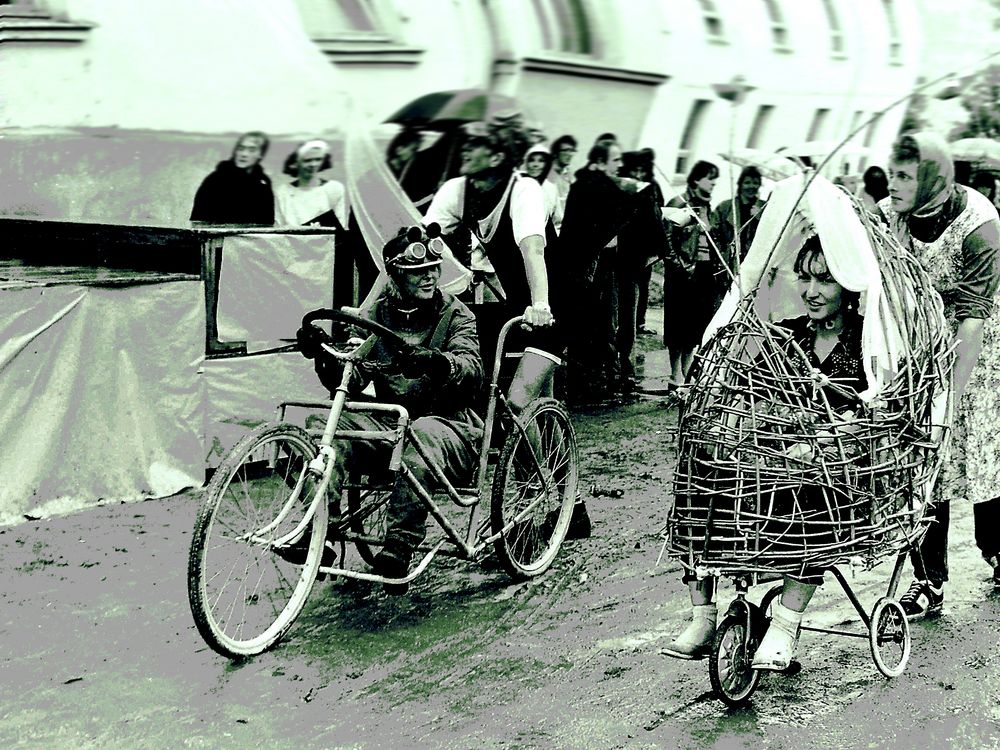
(98,648)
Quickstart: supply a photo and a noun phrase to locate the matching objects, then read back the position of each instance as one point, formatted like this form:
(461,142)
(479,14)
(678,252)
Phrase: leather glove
(420,361)
(309,339)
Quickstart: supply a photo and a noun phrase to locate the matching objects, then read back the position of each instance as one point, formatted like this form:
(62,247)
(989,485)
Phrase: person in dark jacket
(597,209)
(438,380)
(238,191)
(641,241)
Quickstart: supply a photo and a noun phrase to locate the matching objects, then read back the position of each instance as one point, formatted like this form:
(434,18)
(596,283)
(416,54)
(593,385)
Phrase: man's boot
(390,563)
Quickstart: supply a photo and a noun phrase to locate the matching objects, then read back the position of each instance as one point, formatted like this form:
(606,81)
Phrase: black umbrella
(445,110)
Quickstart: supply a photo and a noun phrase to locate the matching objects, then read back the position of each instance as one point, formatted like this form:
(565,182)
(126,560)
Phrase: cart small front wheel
(729,664)
(889,637)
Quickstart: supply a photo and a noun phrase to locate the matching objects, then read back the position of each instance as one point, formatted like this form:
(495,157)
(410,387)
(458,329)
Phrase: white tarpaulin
(268,282)
(99,395)
(243,392)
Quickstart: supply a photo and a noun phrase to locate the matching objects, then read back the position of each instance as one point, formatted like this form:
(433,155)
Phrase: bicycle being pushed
(273,493)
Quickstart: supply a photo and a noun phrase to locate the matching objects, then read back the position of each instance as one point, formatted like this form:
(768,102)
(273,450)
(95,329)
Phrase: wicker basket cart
(744,506)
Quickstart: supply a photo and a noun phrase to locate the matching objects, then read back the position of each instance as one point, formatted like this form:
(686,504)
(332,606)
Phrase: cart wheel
(367,508)
(531,522)
(729,664)
(889,637)
(244,597)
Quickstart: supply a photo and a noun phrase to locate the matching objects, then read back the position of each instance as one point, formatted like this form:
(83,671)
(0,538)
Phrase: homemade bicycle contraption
(741,509)
(273,488)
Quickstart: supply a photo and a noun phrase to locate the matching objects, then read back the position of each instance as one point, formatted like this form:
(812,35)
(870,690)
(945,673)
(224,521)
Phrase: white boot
(695,642)
(777,648)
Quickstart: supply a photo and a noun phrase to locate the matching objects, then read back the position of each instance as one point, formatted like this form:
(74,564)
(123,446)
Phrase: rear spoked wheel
(366,507)
(534,489)
(253,556)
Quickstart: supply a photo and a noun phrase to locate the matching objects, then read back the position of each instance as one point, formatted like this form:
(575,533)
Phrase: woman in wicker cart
(812,432)
(829,335)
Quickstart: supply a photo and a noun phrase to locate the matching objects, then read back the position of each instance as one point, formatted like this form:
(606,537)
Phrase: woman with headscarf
(692,269)
(954,233)
(310,199)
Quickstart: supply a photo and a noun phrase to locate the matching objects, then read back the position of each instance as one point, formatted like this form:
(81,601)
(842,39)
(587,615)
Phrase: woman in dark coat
(693,270)
(238,191)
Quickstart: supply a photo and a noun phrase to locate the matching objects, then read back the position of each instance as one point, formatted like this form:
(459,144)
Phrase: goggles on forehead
(420,253)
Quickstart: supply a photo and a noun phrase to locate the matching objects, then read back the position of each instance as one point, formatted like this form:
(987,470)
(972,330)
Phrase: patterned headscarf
(937,200)
(935,174)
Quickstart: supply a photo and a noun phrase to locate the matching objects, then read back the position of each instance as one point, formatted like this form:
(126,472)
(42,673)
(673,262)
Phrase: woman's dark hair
(599,153)
(563,140)
(630,162)
(876,183)
(985,180)
(906,150)
(700,171)
(291,166)
(265,142)
(811,249)
(404,137)
(606,137)
(748,172)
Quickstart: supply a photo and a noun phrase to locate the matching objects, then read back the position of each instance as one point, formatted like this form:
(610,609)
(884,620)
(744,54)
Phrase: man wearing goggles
(416,253)
(439,380)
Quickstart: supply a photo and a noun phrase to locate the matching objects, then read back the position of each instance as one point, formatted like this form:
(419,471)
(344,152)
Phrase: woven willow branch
(743,505)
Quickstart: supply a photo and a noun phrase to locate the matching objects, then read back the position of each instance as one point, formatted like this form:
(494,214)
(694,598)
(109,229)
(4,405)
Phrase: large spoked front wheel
(253,557)
(732,654)
(889,637)
(534,489)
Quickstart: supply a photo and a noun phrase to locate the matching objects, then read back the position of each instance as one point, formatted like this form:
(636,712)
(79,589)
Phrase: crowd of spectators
(607,225)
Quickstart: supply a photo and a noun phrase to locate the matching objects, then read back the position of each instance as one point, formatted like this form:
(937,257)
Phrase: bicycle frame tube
(491,405)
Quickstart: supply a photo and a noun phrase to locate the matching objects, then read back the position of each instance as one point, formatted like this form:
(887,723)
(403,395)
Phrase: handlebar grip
(324,313)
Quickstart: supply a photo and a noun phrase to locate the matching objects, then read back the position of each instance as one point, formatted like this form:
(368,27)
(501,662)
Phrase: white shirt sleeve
(446,206)
(337,195)
(527,209)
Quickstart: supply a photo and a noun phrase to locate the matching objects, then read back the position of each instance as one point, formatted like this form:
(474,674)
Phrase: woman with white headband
(310,199)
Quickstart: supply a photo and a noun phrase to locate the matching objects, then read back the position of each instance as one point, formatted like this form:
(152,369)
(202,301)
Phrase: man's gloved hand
(309,338)
(420,361)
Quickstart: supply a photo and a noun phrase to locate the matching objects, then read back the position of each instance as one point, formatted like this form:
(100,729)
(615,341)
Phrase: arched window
(779,30)
(836,32)
(759,127)
(713,21)
(566,26)
(690,136)
(895,45)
